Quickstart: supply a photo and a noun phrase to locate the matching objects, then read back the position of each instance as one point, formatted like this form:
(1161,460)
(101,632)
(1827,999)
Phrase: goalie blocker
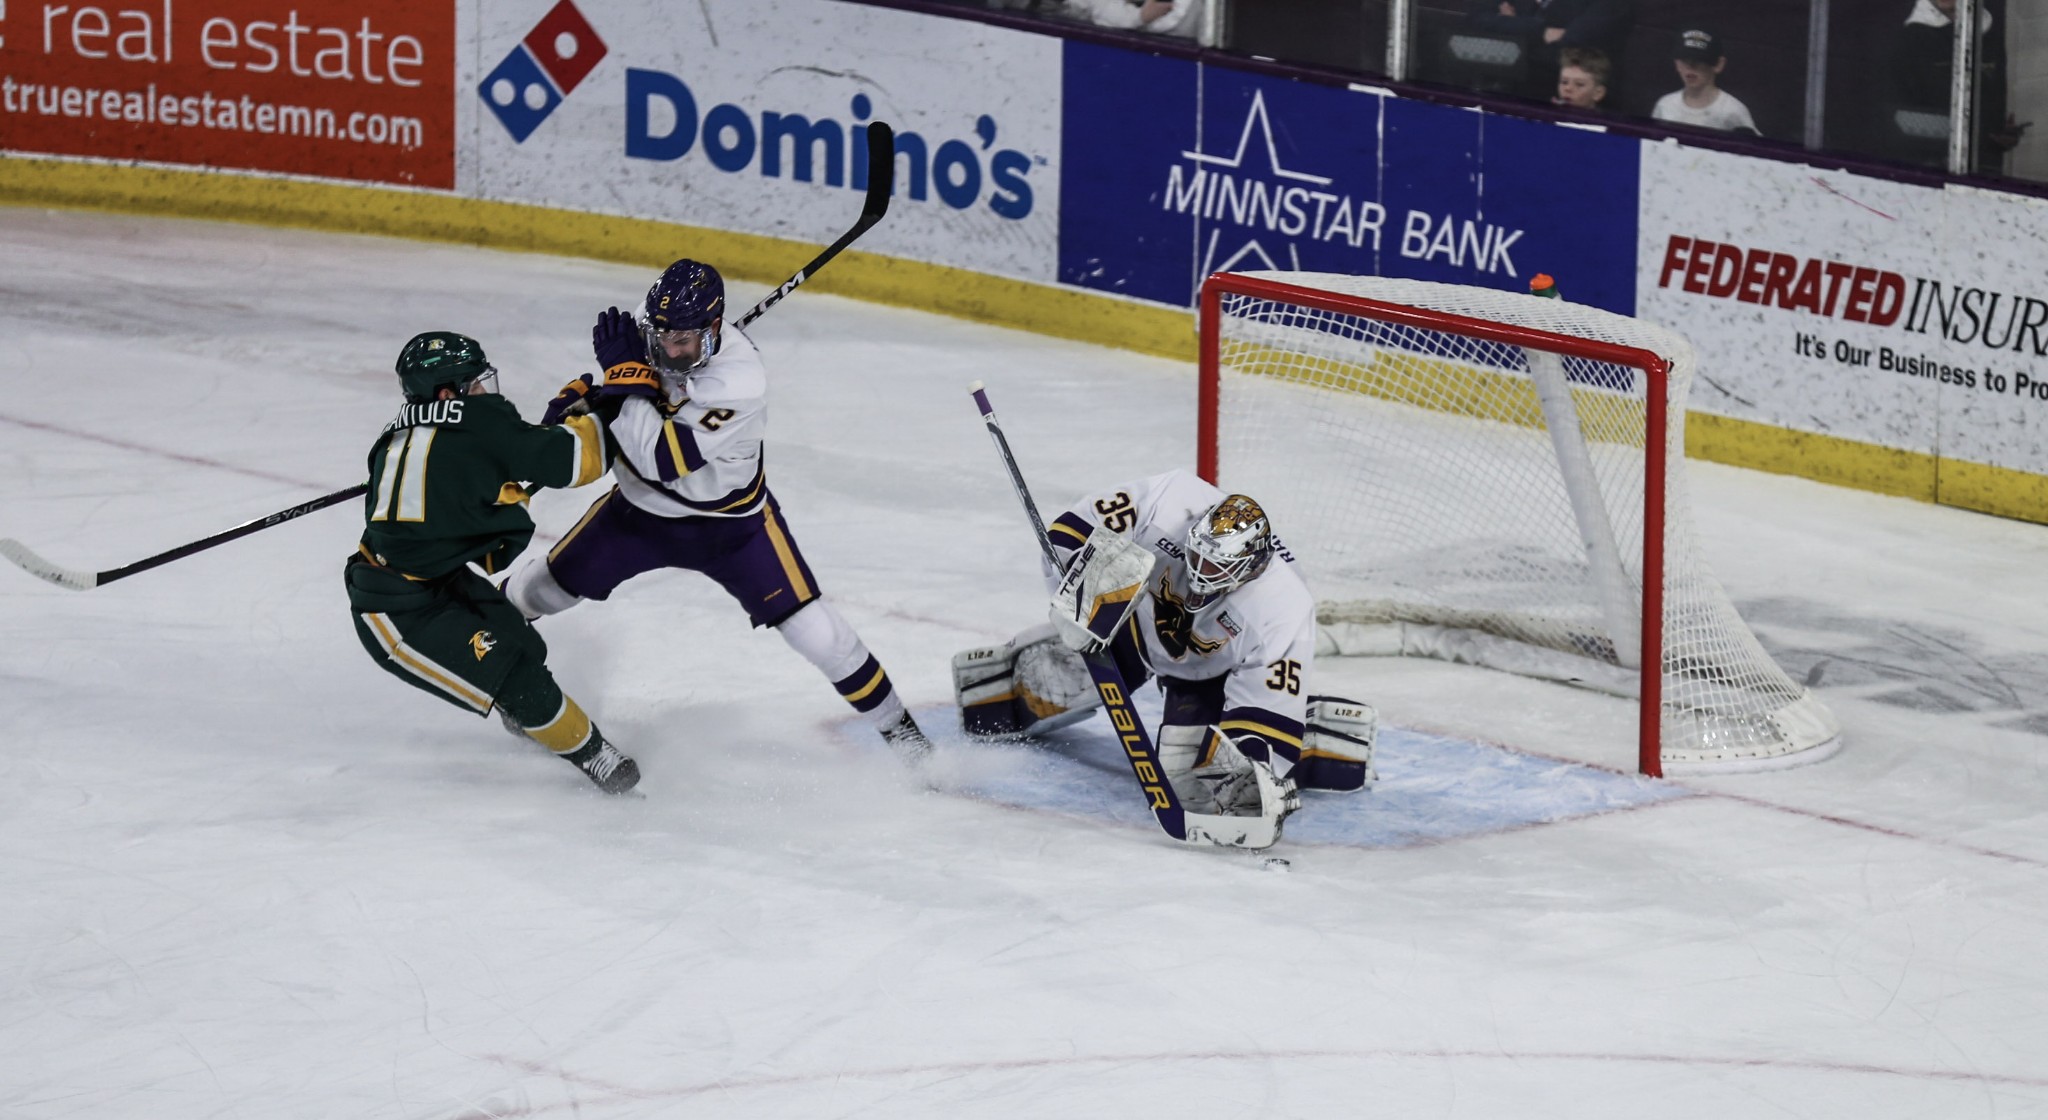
(1034,684)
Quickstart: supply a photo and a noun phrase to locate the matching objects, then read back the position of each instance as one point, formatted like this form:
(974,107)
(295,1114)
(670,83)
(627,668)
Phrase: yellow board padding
(1104,320)
(1096,318)
(1831,459)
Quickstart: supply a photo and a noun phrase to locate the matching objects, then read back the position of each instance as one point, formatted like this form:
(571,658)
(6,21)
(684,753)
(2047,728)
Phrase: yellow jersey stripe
(590,457)
(1069,530)
(420,666)
(675,447)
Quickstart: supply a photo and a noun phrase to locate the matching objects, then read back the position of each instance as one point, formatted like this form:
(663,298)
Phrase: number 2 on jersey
(405,464)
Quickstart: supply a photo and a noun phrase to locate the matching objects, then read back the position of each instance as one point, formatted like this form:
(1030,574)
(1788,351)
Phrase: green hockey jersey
(449,481)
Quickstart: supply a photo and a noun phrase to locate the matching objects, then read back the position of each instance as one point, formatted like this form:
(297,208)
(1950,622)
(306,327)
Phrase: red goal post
(1541,441)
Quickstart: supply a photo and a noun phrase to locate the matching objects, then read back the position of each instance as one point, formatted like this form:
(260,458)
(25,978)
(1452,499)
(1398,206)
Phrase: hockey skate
(605,765)
(908,741)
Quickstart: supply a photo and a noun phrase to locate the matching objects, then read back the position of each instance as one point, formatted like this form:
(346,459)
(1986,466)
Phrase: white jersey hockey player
(1225,623)
(685,402)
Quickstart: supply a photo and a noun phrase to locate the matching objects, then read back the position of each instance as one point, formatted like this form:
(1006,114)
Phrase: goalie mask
(1228,546)
(682,316)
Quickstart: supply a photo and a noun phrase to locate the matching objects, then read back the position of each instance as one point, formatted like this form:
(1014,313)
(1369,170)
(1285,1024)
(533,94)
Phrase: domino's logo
(546,66)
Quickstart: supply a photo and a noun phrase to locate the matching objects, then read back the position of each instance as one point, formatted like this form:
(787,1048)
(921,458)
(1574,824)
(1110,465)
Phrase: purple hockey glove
(616,339)
(623,353)
(567,402)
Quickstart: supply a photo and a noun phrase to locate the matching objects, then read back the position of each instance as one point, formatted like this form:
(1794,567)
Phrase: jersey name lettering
(429,412)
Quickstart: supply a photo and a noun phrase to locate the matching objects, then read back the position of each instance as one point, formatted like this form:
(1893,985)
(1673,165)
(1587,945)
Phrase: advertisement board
(1905,316)
(1172,169)
(365,93)
(746,116)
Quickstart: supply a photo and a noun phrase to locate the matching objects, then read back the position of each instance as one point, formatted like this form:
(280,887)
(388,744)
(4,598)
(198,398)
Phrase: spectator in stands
(1923,60)
(1701,102)
(1549,27)
(1582,78)
(1165,17)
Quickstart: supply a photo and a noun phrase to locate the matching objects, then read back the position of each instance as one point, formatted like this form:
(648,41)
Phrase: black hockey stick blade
(34,564)
(1174,819)
(881,185)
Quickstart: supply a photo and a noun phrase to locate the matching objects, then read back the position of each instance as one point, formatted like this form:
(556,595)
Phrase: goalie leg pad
(1027,686)
(1336,753)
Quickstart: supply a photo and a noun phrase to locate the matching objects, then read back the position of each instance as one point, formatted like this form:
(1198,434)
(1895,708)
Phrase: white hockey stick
(1262,831)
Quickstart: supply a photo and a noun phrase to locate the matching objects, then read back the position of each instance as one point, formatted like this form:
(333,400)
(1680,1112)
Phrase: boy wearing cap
(1702,103)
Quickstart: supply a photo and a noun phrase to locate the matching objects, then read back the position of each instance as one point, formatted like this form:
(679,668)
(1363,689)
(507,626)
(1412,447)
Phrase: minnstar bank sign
(1259,212)
(1227,169)
(666,119)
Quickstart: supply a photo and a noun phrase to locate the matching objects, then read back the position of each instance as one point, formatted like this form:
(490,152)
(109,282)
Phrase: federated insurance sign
(360,91)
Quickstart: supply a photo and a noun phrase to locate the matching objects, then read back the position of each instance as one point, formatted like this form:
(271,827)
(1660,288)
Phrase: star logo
(1252,190)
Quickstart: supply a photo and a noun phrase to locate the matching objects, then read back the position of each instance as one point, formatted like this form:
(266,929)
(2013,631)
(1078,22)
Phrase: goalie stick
(35,565)
(1258,832)
(881,185)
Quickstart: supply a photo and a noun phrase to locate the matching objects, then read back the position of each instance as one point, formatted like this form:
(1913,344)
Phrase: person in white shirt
(1702,102)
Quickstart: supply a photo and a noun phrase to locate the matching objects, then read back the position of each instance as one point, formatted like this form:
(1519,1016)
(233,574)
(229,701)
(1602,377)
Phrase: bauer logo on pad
(546,66)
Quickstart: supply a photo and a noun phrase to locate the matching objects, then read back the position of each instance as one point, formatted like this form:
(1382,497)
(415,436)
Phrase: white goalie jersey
(1260,637)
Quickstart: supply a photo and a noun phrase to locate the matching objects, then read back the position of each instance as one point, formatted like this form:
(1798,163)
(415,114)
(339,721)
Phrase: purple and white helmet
(688,300)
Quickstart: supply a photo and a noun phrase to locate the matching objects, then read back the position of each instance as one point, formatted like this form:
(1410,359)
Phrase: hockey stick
(1192,828)
(35,565)
(881,184)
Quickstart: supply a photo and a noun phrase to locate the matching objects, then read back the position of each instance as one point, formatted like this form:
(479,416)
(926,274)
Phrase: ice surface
(246,874)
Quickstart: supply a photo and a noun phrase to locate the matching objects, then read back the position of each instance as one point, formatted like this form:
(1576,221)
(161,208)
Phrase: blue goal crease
(1432,787)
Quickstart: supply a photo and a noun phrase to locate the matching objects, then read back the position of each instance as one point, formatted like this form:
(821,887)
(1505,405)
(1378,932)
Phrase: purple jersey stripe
(676,453)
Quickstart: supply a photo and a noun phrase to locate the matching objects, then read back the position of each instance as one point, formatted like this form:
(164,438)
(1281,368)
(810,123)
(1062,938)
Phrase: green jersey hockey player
(449,479)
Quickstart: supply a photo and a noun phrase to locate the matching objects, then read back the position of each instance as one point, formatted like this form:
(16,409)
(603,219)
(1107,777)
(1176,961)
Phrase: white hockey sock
(532,589)
(823,636)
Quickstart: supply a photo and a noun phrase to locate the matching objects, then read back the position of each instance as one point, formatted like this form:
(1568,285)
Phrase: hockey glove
(571,401)
(623,354)
(616,339)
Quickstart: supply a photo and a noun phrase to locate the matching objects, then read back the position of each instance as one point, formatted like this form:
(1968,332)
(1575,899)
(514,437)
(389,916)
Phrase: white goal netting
(1483,501)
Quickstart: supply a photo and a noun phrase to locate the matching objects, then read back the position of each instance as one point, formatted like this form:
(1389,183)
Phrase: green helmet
(440,359)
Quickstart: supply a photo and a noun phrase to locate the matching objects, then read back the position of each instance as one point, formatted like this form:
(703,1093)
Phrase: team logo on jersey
(1175,624)
(481,643)
(546,66)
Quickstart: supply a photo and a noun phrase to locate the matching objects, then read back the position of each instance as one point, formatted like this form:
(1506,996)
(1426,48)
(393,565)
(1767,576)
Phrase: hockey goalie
(1180,582)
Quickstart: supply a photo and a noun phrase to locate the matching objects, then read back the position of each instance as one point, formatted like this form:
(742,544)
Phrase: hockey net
(1486,477)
